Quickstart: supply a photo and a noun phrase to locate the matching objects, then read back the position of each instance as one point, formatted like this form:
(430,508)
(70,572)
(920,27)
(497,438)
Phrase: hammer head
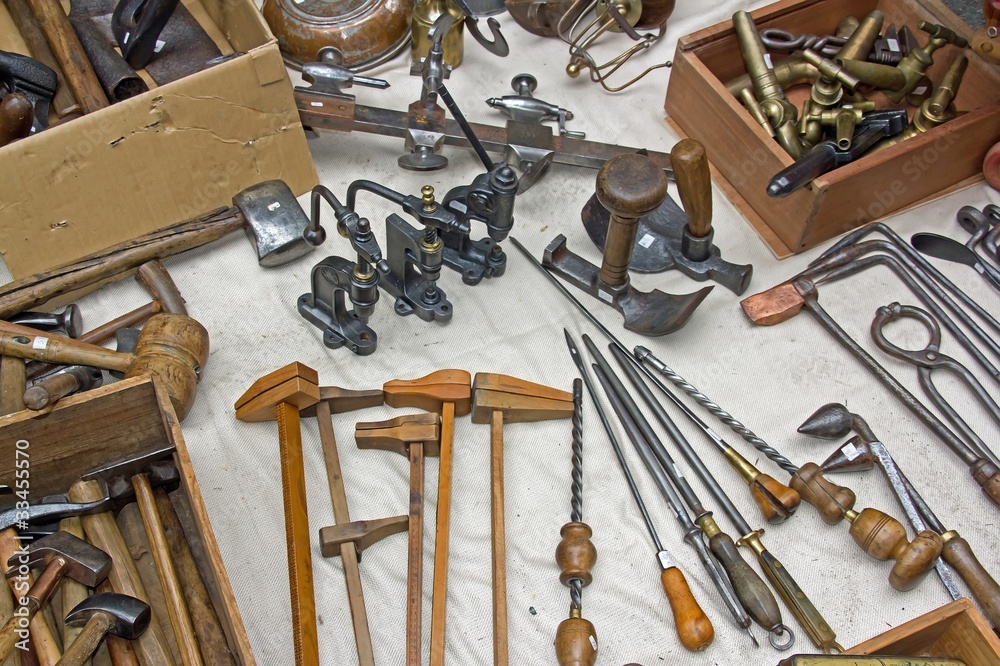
(295,383)
(773,306)
(130,616)
(519,400)
(172,348)
(430,392)
(275,222)
(84,563)
(397,434)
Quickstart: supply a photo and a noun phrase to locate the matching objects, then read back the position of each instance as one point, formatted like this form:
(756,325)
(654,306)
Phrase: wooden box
(957,630)
(99,427)
(745,158)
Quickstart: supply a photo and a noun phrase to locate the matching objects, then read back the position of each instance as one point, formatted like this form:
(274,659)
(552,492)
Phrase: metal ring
(780,631)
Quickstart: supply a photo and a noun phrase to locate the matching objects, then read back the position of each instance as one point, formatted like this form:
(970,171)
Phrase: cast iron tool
(670,237)
(949,249)
(24,75)
(137,24)
(826,156)
(629,186)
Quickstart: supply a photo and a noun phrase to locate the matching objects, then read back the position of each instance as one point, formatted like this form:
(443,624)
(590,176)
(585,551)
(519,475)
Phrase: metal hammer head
(519,400)
(430,392)
(172,348)
(130,616)
(397,434)
(295,383)
(275,222)
(82,562)
(773,306)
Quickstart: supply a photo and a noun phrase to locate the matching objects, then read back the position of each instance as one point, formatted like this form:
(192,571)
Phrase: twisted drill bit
(576,503)
(646,356)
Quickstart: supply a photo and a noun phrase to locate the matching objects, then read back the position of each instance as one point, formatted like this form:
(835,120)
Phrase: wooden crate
(745,158)
(94,429)
(957,631)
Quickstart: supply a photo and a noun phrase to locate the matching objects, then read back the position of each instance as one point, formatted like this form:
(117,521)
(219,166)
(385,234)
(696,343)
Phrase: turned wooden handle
(693,627)
(8,637)
(916,561)
(68,50)
(70,591)
(880,535)
(59,350)
(776,500)
(576,642)
(153,276)
(83,647)
(694,184)
(49,390)
(16,117)
(752,592)
(958,554)
(828,498)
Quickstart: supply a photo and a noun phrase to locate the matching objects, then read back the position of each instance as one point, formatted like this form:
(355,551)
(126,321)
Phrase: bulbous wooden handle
(777,501)
(693,626)
(751,590)
(879,534)
(829,499)
(576,642)
(694,184)
(576,554)
(916,561)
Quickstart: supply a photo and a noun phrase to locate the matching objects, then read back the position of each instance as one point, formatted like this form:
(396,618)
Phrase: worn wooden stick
(63,103)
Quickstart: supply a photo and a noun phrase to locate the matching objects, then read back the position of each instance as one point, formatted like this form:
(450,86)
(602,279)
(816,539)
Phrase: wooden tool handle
(211,636)
(103,532)
(293,485)
(70,591)
(828,498)
(415,555)
(576,642)
(12,381)
(69,52)
(16,117)
(88,640)
(35,290)
(153,276)
(879,534)
(694,184)
(49,390)
(959,555)
(8,637)
(440,594)
(180,618)
(64,104)
(753,594)
(45,644)
(916,561)
(59,350)
(693,627)
(500,652)
(777,501)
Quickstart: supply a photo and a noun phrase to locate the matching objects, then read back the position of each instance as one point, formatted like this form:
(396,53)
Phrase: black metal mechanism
(37,82)
(137,25)
(411,264)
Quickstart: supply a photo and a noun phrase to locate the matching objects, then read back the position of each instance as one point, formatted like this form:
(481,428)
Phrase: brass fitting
(791,71)
(862,40)
(427,198)
(884,77)
(914,66)
(425,12)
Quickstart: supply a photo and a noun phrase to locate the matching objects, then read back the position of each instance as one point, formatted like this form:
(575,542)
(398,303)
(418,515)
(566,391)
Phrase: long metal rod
(576,486)
(928,269)
(693,534)
(574,353)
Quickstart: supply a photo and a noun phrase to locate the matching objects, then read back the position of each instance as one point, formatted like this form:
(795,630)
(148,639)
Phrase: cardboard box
(168,155)
(956,631)
(86,432)
(745,158)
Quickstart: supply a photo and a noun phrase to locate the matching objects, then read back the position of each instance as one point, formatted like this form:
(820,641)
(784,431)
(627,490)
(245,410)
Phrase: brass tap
(914,66)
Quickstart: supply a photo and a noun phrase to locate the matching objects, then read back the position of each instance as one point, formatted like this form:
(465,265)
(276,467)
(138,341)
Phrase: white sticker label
(125,38)
(647,240)
(274,206)
(850,451)
(920,91)
(606,297)
(767,59)
(159,46)
(40,343)
(893,44)
(593,642)
(315,103)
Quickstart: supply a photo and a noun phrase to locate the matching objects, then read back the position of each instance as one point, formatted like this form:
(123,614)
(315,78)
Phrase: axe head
(275,222)
(518,399)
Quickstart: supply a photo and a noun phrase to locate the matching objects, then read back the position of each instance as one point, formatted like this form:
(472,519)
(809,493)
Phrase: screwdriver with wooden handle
(693,627)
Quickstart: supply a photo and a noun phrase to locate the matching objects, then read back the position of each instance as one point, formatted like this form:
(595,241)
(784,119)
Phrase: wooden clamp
(499,399)
(449,393)
(414,436)
(280,395)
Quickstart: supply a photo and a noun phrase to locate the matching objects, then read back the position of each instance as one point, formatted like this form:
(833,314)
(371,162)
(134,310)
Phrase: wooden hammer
(449,393)
(499,399)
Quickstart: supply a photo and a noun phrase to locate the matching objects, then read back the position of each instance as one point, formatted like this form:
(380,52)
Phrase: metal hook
(498,46)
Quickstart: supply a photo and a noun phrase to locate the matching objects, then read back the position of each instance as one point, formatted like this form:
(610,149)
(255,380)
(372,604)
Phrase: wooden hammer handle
(69,52)
(35,290)
(59,350)
(42,638)
(64,104)
(500,651)
(694,184)
(153,276)
(83,647)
